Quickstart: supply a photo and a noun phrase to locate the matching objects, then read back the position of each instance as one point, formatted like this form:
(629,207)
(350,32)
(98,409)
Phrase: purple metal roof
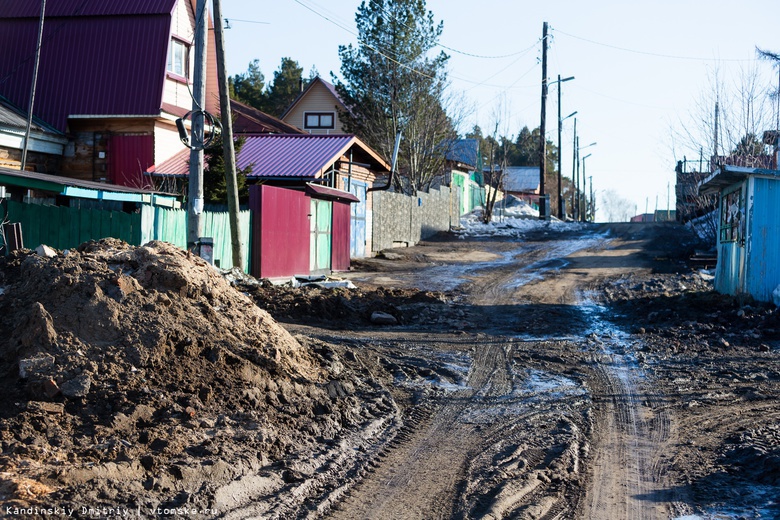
(90,65)
(27,9)
(295,157)
(292,156)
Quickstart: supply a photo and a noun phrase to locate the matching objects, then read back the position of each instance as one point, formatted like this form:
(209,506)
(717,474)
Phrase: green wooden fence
(63,227)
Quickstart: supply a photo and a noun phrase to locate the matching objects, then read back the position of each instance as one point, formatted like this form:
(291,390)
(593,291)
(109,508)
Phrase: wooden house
(316,110)
(114,76)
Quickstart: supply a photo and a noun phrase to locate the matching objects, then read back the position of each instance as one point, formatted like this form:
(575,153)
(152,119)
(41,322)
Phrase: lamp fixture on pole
(560,122)
(578,216)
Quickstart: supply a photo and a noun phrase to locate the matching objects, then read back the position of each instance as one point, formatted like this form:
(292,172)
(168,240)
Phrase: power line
(655,54)
(49,35)
(438,44)
(408,67)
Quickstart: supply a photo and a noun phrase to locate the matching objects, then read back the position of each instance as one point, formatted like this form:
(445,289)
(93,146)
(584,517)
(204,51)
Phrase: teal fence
(63,227)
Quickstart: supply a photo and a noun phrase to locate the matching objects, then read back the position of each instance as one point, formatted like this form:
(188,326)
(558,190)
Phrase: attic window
(318,120)
(179,58)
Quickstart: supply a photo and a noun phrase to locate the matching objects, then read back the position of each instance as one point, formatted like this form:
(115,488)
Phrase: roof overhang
(69,187)
(324,192)
(726,176)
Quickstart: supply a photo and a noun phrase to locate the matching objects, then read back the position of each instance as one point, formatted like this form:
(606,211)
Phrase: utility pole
(578,184)
(23,164)
(542,129)
(228,148)
(560,201)
(668,200)
(195,187)
(561,214)
(717,117)
(592,206)
(573,166)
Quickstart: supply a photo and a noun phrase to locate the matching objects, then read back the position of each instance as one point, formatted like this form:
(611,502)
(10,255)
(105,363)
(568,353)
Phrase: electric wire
(655,54)
(439,44)
(49,35)
(370,47)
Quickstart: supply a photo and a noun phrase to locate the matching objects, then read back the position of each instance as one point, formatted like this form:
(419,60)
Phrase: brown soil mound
(138,377)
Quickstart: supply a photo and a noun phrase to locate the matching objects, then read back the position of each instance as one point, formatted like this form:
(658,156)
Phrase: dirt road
(557,418)
(562,371)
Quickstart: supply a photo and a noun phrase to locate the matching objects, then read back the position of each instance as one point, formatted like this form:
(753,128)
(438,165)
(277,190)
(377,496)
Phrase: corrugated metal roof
(279,156)
(292,156)
(521,178)
(330,193)
(13,117)
(90,65)
(28,9)
(176,166)
(20,178)
(249,120)
(464,151)
(728,175)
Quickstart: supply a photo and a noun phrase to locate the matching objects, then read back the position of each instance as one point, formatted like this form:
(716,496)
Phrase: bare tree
(615,207)
(495,177)
(723,126)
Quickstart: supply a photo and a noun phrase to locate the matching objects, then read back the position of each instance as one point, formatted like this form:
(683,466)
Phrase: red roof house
(113,76)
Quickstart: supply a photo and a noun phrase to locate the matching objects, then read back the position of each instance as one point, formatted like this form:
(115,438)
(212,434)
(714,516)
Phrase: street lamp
(560,121)
(584,194)
(561,213)
(578,184)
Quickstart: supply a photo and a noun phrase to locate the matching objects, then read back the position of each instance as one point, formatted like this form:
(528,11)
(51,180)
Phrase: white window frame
(178,63)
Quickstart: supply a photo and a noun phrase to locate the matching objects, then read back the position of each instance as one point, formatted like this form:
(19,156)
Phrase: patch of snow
(775,296)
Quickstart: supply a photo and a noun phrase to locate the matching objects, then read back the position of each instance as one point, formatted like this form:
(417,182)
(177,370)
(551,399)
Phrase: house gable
(316,110)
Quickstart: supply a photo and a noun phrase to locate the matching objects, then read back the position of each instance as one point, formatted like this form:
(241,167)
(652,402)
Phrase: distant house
(45,147)
(523,183)
(463,165)
(113,76)
(748,242)
(251,121)
(309,200)
(316,110)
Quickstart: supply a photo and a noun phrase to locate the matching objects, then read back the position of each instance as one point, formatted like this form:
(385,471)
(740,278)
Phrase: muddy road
(553,371)
(546,401)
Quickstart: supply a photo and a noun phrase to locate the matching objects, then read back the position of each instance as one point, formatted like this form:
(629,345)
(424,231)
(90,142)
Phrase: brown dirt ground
(139,378)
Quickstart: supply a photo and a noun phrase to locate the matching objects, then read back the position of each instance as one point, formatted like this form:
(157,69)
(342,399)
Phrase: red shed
(299,232)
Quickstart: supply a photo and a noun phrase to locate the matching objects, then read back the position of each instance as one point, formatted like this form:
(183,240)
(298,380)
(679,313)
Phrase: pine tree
(392,83)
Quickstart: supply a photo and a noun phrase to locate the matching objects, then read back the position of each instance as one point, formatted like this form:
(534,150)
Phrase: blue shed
(748,230)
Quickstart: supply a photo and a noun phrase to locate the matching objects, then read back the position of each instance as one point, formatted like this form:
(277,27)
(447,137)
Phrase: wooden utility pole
(23,163)
(228,148)
(542,129)
(195,187)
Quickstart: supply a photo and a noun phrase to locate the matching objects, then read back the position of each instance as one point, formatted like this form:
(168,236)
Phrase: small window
(318,120)
(732,218)
(179,58)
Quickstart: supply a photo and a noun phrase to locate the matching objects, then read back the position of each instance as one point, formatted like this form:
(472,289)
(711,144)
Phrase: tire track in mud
(626,477)
(419,477)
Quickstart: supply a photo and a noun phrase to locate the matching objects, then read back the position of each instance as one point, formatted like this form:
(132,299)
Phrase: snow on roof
(521,178)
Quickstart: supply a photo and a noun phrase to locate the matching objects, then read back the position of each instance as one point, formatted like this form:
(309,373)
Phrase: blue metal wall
(763,241)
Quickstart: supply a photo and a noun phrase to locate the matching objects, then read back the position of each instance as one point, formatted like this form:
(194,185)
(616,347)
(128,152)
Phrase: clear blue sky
(639,67)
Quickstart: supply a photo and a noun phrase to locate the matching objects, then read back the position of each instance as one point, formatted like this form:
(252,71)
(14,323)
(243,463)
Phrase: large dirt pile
(139,378)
